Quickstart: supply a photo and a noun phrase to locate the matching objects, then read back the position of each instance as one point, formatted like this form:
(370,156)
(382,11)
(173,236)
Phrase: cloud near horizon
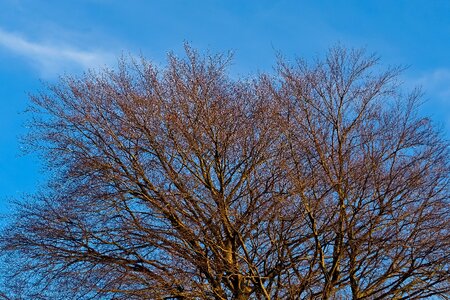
(51,59)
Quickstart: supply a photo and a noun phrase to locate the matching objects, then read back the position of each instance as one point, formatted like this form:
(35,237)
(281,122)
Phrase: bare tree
(320,182)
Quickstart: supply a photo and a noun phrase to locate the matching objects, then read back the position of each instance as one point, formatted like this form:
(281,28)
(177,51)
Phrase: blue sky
(41,39)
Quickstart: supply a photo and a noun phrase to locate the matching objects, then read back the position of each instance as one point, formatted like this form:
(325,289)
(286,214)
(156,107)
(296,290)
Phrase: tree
(319,182)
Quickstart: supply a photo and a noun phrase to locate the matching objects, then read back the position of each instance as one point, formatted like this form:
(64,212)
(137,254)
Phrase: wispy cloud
(437,82)
(436,86)
(53,58)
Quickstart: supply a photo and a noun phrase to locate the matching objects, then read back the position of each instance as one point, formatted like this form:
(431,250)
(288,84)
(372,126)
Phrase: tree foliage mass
(320,181)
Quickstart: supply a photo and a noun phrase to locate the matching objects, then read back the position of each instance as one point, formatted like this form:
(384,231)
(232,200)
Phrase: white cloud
(436,83)
(53,58)
(436,86)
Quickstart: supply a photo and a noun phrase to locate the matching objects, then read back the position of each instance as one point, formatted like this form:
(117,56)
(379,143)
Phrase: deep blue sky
(41,39)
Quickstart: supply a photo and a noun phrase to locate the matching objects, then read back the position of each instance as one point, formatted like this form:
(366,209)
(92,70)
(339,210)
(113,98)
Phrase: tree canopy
(321,181)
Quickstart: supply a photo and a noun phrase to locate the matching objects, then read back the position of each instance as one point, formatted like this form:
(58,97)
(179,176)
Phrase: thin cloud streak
(438,82)
(436,87)
(53,58)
